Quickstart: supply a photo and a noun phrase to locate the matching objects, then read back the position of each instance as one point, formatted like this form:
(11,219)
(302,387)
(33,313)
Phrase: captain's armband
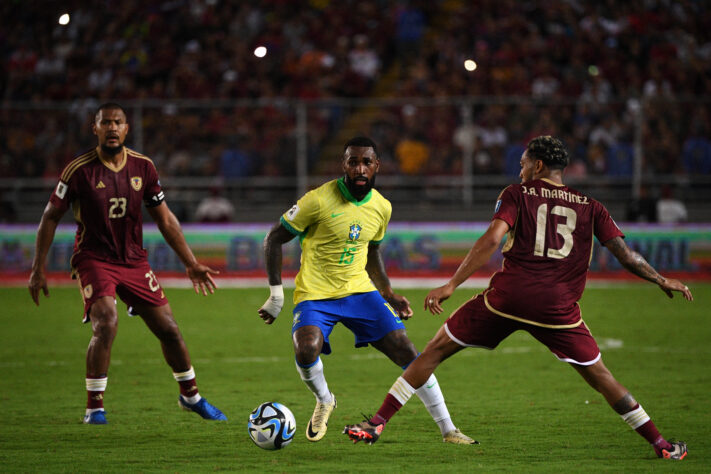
(155,200)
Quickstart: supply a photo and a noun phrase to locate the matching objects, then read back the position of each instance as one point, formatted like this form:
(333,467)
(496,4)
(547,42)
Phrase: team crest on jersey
(88,291)
(354,231)
(297,318)
(136,183)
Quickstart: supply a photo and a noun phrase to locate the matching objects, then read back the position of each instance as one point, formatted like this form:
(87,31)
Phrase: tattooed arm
(635,263)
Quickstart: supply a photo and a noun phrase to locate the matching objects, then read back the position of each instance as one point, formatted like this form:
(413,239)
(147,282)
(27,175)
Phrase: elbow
(271,241)
(268,241)
(491,243)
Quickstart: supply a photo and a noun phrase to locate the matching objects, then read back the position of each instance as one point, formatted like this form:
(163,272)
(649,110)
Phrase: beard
(112,150)
(359,191)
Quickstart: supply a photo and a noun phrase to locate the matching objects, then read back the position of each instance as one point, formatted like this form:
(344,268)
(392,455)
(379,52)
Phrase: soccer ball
(271,426)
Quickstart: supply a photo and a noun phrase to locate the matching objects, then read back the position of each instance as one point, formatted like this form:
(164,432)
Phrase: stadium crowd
(581,70)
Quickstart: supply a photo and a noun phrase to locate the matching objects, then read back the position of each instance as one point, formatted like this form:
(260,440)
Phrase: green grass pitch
(530,412)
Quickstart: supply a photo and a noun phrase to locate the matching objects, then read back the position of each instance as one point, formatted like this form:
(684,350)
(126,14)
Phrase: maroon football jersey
(106,201)
(547,251)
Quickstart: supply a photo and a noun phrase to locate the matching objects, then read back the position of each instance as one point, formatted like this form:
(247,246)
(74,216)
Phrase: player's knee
(169,333)
(307,345)
(104,320)
(307,352)
(404,353)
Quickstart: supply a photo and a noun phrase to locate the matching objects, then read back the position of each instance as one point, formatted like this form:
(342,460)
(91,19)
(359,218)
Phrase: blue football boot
(202,408)
(96,418)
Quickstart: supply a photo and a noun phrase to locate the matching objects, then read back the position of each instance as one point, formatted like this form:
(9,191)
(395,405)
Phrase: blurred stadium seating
(624,84)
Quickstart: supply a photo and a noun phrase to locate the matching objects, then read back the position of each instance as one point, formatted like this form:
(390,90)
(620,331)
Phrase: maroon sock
(650,432)
(387,410)
(94,399)
(188,388)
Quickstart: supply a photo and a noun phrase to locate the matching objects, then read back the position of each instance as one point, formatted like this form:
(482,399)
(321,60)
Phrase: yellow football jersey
(334,231)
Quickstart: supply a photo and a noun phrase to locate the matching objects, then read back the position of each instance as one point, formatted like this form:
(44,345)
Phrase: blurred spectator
(412,154)
(643,209)
(236,160)
(697,155)
(409,28)
(670,209)
(8,213)
(363,60)
(215,207)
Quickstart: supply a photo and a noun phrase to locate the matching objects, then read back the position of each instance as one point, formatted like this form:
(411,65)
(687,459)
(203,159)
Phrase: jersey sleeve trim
(290,228)
(135,154)
(76,164)
(527,321)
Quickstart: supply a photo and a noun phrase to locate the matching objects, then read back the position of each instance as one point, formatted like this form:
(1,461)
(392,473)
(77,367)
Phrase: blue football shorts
(367,315)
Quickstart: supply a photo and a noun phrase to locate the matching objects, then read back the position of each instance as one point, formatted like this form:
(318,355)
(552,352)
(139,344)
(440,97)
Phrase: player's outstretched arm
(199,274)
(635,263)
(478,255)
(275,238)
(376,271)
(45,235)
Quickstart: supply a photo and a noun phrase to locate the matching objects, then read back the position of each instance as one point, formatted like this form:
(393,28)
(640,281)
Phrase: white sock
(636,417)
(187,375)
(96,385)
(431,395)
(314,379)
(401,390)
(192,400)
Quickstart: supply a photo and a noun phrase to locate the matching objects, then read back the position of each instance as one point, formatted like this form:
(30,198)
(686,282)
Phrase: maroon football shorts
(473,325)
(135,283)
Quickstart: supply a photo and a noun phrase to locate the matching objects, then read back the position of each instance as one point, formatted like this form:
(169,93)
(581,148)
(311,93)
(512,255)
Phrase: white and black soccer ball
(271,426)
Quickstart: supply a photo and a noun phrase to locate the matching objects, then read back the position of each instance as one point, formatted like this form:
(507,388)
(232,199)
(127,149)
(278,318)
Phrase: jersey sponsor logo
(61,190)
(136,183)
(498,206)
(336,214)
(101,185)
(88,291)
(291,213)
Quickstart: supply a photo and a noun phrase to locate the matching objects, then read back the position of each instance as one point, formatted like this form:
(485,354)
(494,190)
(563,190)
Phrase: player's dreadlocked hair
(361,141)
(549,150)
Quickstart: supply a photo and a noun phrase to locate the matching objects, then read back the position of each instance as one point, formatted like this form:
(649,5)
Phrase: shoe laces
(367,418)
(320,412)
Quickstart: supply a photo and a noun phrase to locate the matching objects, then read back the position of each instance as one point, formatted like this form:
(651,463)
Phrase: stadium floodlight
(260,51)
(64,19)
(470,65)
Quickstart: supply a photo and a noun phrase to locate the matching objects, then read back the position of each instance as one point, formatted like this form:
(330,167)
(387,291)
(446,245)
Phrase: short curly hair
(549,150)
(361,141)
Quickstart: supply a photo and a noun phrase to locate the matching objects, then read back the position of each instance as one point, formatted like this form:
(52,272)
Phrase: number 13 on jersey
(565,229)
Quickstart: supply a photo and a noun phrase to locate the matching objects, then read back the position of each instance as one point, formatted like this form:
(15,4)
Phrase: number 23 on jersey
(117,208)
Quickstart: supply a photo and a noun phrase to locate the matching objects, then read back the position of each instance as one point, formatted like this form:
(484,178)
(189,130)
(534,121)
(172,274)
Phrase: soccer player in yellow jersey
(342,279)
